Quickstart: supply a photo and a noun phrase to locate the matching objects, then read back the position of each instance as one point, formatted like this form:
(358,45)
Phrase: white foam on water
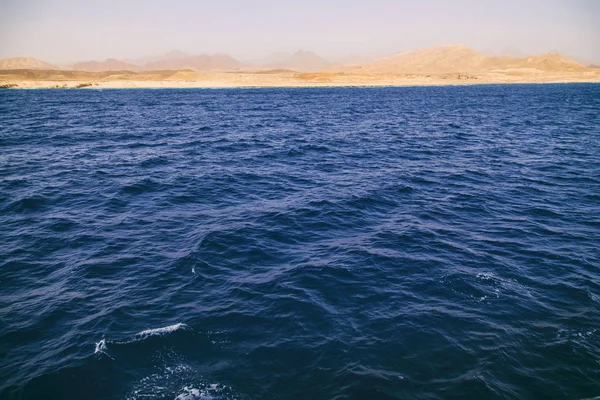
(575,336)
(161,331)
(100,347)
(178,381)
(489,284)
(203,392)
(164,383)
(190,394)
(485,276)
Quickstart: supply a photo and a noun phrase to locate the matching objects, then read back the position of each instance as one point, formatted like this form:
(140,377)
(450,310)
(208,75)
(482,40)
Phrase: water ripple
(412,243)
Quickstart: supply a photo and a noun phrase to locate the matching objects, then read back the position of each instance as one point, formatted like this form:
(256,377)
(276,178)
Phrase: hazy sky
(72,30)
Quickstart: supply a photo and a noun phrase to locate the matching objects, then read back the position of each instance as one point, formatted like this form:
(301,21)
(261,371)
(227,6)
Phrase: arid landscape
(446,65)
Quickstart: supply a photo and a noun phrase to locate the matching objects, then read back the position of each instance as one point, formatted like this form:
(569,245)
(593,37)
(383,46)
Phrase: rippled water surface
(391,243)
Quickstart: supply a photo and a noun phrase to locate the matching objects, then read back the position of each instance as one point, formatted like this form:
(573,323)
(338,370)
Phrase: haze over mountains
(457,64)
(110,64)
(300,61)
(444,59)
(202,62)
(25,63)
(462,58)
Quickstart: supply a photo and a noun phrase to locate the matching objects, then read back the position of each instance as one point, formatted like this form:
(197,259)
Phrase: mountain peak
(25,63)
(304,60)
(462,58)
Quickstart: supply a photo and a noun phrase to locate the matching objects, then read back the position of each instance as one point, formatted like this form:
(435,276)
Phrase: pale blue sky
(71,30)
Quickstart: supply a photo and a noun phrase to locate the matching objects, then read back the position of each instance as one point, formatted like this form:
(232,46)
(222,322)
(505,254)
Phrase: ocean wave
(210,391)
(161,331)
(311,258)
(176,379)
(165,382)
(101,347)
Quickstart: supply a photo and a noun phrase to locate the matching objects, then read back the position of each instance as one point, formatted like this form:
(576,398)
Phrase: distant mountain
(550,62)
(301,61)
(203,62)
(462,58)
(25,63)
(437,59)
(110,64)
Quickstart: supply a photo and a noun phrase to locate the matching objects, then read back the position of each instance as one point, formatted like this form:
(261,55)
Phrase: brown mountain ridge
(437,60)
(25,63)
(446,65)
(461,58)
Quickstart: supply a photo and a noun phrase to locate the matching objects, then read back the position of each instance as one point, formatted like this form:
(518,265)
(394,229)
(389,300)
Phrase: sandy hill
(60,77)
(302,61)
(552,62)
(202,62)
(110,64)
(434,60)
(461,58)
(25,63)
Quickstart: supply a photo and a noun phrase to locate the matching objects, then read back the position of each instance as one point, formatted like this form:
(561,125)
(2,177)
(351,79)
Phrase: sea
(300,243)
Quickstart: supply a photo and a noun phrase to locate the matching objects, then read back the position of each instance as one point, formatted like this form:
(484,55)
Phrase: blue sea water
(334,243)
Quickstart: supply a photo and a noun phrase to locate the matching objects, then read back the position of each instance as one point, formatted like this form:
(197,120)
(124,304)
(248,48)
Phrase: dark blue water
(391,243)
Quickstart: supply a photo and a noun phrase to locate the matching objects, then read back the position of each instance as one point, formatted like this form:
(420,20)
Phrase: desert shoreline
(61,85)
(452,65)
(441,66)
